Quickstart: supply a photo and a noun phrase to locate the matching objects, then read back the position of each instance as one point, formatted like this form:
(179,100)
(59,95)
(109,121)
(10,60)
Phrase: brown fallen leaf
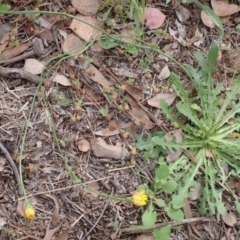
(15,51)
(101,149)
(106,132)
(223,9)
(63,235)
(61,79)
(96,76)
(90,195)
(83,30)
(83,145)
(135,92)
(154,18)
(50,232)
(230,219)
(88,8)
(3,43)
(55,217)
(206,19)
(72,44)
(33,66)
(178,137)
(167,97)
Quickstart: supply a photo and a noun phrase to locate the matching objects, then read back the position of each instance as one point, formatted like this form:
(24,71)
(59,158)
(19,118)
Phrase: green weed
(210,126)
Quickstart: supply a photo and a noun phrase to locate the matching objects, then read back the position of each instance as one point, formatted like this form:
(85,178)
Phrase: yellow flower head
(29,212)
(139,198)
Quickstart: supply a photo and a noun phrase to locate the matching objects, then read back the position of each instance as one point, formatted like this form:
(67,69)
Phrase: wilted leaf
(85,31)
(195,192)
(209,154)
(223,9)
(206,19)
(50,232)
(167,97)
(180,34)
(101,149)
(55,216)
(33,66)
(154,18)
(135,92)
(83,145)
(86,7)
(230,219)
(165,73)
(72,44)
(4,42)
(61,79)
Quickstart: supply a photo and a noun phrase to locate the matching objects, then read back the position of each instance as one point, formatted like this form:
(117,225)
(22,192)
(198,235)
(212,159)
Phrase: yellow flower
(29,212)
(139,198)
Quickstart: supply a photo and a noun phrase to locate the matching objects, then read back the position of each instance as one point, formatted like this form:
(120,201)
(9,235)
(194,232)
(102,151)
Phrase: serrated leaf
(163,233)
(170,186)
(149,218)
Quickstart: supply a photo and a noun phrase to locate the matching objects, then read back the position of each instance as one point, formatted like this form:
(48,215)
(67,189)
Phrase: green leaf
(163,233)
(159,202)
(174,214)
(149,217)
(162,172)
(178,201)
(169,186)
(5,8)
(109,43)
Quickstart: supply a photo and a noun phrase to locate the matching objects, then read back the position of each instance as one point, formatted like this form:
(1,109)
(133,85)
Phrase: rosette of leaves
(209,118)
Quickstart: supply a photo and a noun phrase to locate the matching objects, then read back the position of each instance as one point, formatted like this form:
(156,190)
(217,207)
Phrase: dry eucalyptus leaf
(154,18)
(86,7)
(167,97)
(2,163)
(101,149)
(83,145)
(183,14)
(230,219)
(97,76)
(55,216)
(73,44)
(61,79)
(2,222)
(223,9)
(165,73)
(106,132)
(50,232)
(15,51)
(127,35)
(176,135)
(33,66)
(90,195)
(206,19)
(85,31)
(63,235)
